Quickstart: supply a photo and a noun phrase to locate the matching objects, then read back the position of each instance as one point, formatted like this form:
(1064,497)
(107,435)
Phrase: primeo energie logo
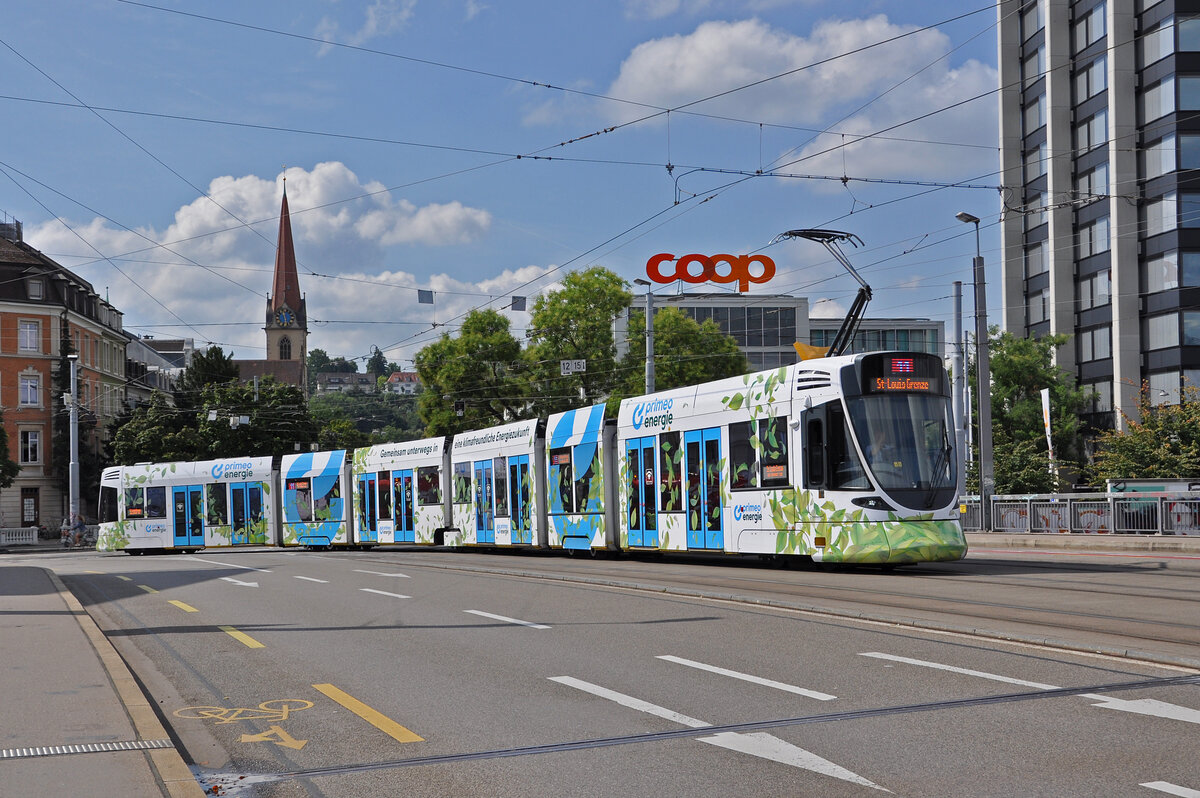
(655,413)
(233,470)
(747,512)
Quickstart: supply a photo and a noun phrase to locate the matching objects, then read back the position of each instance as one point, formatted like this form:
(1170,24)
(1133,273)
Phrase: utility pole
(73,468)
(649,335)
(983,383)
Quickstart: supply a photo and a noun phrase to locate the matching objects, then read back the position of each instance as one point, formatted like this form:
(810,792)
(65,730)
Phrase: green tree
(575,323)
(318,361)
(212,367)
(157,432)
(1020,369)
(377,417)
(685,353)
(377,364)
(9,469)
(277,420)
(483,369)
(1164,444)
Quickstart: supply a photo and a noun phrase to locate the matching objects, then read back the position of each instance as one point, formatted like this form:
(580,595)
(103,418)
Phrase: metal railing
(18,536)
(1089,513)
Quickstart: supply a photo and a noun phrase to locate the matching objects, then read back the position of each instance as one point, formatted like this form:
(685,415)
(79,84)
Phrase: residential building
(147,370)
(342,381)
(405,383)
(42,307)
(1101,233)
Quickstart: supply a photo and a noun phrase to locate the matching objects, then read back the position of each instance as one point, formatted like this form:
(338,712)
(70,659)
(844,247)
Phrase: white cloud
(214,274)
(382,18)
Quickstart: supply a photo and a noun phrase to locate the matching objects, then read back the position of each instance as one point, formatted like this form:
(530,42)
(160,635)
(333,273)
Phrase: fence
(1090,513)
(18,536)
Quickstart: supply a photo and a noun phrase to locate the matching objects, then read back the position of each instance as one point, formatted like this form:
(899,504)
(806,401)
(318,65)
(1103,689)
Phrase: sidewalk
(73,721)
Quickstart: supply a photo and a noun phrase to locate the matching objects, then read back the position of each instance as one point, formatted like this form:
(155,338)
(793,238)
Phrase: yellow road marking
(93,572)
(242,637)
(147,588)
(375,718)
(275,735)
(125,578)
(182,606)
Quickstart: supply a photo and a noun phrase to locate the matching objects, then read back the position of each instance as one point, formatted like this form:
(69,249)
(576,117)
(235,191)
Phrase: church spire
(285,290)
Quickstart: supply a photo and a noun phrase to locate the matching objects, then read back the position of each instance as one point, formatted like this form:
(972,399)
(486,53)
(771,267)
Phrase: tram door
(485,517)
(368,525)
(519,499)
(402,502)
(643,516)
(247,509)
(189,515)
(702,466)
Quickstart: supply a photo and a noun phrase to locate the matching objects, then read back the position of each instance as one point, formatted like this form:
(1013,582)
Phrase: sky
(483,150)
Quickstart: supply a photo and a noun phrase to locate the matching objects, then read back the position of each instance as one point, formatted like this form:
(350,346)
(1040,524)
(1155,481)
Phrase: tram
(847,459)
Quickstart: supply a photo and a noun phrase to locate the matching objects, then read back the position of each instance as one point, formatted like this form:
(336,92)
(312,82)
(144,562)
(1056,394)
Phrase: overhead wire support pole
(829,239)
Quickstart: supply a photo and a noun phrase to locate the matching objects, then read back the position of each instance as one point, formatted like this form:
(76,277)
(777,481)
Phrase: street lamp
(983,381)
(649,335)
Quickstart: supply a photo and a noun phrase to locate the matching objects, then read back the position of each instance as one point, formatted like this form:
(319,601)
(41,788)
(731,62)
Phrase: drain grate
(84,748)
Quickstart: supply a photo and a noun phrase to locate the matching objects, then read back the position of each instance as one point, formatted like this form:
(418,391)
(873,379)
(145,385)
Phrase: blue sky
(144,146)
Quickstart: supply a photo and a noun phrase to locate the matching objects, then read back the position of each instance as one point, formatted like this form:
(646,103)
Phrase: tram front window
(907,441)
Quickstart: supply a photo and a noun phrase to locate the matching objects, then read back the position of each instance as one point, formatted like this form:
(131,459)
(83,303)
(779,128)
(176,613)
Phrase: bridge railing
(1089,513)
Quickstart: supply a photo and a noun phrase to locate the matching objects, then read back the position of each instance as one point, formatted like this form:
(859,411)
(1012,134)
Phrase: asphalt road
(433,673)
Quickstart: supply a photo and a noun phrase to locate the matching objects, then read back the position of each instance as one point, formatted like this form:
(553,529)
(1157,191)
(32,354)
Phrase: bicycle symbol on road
(276,710)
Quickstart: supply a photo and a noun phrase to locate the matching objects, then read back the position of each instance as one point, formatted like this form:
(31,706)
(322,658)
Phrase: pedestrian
(77,529)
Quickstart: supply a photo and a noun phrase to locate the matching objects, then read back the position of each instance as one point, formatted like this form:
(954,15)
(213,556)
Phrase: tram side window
(583,483)
(429,485)
(845,469)
(322,505)
(135,503)
(385,495)
(670,473)
(462,484)
(216,500)
(108,504)
(156,502)
(500,475)
(561,480)
(758,453)
(814,447)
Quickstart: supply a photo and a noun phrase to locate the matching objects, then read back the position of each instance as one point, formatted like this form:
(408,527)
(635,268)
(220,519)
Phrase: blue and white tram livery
(315,511)
(581,513)
(497,484)
(187,506)
(398,496)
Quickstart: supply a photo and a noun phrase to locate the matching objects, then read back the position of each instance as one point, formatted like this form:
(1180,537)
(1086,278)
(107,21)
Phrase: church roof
(286,288)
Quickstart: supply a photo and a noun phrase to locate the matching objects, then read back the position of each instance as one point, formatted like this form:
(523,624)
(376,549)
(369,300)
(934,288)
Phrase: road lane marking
(381,573)
(517,621)
(238,581)
(311,579)
(377,719)
(230,565)
(1171,789)
(182,606)
(1138,706)
(241,637)
(748,678)
(147,588)
(93,572)
(759,744)
(383,593)
(125,578)
(966,672)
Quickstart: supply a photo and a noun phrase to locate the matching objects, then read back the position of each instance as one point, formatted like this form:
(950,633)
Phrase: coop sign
(695,269)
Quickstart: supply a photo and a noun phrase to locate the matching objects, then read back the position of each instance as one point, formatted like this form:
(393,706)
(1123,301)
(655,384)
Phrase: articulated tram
(846,459)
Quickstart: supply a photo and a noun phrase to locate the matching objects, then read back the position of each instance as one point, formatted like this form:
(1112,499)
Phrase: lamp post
(983,381)
(649,335)
(73,468)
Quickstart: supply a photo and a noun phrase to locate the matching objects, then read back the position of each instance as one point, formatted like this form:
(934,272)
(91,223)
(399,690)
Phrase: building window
(1159,158)
(1039,307)
(1092,79)
(1162,273)
(1035,211)
(1189,34)
(31,440)
(1091,132)
(1035,114)
(1035,163)
(1093,184)
(1095,291)
(1189,209)
(1101,397)
(1158,100)
(1035,260)
(1164,388)
(1189,93)
(285,349)
(1161,215)
(1090,28)
(1191,328)
(1033,66)
(1095,344)
(1162,332)
(29,336)
(1093,238)
(1158,43)
(1033,18)
(36,288)
(29,390)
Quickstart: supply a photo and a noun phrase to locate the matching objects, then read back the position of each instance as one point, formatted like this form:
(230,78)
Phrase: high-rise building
(1101,228)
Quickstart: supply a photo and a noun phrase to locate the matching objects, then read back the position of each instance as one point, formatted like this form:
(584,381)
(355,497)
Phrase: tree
(277,416)
(211,367)
(575,323)
(483,369)
(685,353)
(8,468)
(377,364)
(1020,369)
(157,432)
(1165,444)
